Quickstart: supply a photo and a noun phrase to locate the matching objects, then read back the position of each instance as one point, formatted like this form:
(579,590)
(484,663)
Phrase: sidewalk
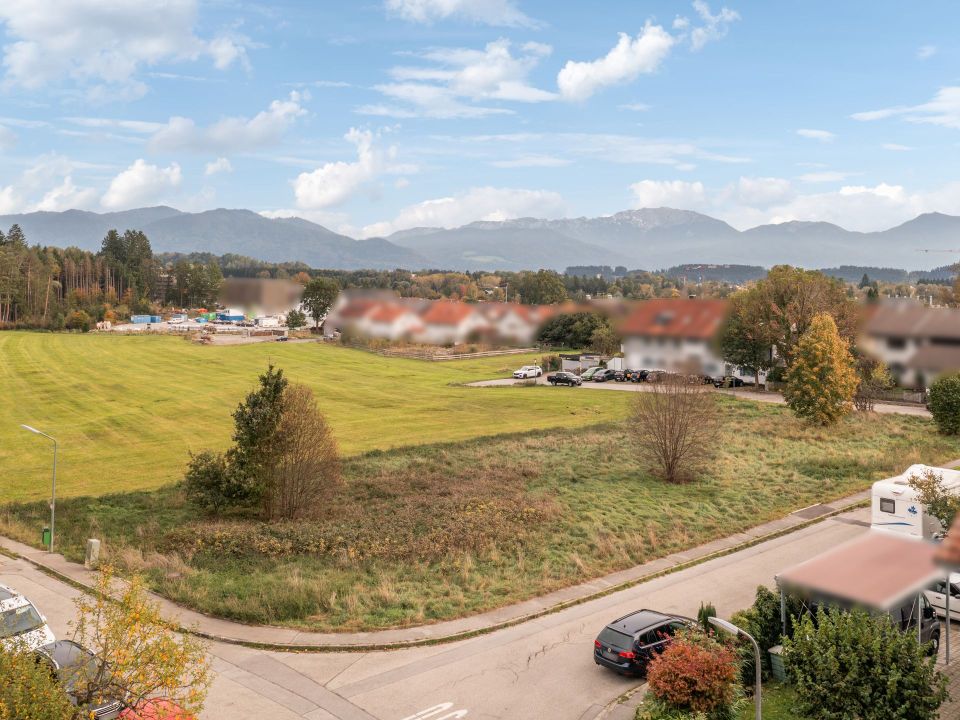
(279,638)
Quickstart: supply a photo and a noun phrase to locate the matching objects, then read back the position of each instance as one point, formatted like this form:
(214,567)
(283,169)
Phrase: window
(887,505)
(896,343)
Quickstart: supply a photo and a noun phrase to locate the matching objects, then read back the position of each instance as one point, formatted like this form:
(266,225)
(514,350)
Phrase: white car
(21,622)
(528,371)
(937,595)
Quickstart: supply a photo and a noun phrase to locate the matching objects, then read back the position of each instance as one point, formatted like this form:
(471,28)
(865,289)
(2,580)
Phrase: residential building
(675,334)
(261,296)
(916,342)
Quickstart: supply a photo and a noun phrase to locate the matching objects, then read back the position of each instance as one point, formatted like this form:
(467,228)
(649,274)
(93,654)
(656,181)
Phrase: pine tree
(822,379)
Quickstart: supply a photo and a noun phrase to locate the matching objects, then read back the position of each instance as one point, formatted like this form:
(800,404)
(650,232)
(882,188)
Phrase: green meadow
(128,410)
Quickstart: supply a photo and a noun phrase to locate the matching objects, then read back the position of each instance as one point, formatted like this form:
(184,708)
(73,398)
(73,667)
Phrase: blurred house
(675,334)
(449,322)
(917,343)
(258,296)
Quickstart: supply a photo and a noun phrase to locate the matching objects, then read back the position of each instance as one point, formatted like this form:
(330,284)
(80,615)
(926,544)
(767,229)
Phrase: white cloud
(926,51)
(8,138)
(628,59)
(714,27)
(488,12)
(66,196)
(456,75)
(668,193)
(748,202)
(230,134)
(821,135)
(634,107)
(335,182)
(481,203)
(943,110)
(896,147)
(762,191)
(141,184)
(221,164)
(103,42)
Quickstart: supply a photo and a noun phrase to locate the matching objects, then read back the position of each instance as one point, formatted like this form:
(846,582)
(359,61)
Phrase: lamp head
(31,429)
(724,625)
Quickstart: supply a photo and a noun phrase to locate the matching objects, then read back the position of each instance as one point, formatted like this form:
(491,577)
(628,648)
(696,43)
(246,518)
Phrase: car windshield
(19,621)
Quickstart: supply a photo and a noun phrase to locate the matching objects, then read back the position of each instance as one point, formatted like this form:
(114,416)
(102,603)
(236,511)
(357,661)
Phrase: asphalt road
(540,669)
(746,394)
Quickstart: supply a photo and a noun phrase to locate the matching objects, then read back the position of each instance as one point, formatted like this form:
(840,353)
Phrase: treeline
(543,286)
(57,288)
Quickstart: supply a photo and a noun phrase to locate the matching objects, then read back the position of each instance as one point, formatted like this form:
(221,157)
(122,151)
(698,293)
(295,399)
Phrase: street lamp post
(731,628)
(53,484)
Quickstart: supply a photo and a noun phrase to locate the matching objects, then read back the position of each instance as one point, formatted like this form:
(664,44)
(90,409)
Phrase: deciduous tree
(138,654)
(305,463)
(28,691)
(319,296)
(675,425)
(821,380)
(296,320)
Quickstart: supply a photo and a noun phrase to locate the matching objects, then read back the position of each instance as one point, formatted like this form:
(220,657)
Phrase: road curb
(455,637)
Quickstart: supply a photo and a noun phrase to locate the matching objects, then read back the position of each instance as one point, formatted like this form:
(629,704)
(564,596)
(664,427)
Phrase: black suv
(627,644)
(564,378)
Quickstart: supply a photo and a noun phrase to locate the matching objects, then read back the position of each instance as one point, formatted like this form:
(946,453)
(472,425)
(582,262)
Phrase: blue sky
(379,115)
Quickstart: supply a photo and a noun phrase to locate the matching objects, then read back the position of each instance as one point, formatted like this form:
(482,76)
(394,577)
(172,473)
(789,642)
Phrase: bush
(208,483)
(78,320)
(762,620)
(945,403)
(696,673)
(704,614)
(855,665)
(550,363)
(28,691)
(821,380)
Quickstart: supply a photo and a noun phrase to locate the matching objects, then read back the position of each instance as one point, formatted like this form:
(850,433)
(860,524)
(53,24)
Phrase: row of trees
(44,286)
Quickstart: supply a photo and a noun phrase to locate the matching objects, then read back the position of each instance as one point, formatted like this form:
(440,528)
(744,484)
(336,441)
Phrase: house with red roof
(448,322)
(674,334)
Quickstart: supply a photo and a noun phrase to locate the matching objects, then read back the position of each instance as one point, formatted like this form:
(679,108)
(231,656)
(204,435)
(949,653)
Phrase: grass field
(127,410)
(426,533)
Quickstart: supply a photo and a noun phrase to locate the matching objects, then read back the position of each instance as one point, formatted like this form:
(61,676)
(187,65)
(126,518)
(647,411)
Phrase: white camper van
(894,507)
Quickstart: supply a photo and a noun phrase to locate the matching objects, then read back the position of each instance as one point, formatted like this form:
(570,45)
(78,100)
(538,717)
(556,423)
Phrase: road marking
(432,711)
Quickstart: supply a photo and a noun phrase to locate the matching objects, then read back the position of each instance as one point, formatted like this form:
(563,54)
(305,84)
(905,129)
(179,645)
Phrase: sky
(374,116)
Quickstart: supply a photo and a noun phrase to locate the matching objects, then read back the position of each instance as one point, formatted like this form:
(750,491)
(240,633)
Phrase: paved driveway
(539,669)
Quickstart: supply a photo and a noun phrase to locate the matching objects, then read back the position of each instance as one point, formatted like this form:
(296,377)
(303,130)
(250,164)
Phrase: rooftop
(675,318)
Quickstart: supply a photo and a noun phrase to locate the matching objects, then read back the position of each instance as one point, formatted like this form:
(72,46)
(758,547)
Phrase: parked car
(590,372)
(656,376)
(528,371)
(603,375)
(628,643)
(72,665)
(156,709)
(728,381)
(283,338)
(564,378)
(937,595)
(20,621)
(619,375)
(636,375)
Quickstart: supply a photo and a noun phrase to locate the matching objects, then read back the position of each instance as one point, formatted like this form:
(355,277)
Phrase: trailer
(894,506)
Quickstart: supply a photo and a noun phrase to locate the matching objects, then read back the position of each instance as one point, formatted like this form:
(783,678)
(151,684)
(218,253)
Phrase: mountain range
(646,238)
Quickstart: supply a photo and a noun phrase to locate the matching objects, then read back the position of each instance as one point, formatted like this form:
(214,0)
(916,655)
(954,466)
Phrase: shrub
(207,482)
(550,363)
(855,665)
(762,620)
(704,614)
(78,320)
(821,380)
(945,403)
(696,673)
(873,380)
(28,691)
